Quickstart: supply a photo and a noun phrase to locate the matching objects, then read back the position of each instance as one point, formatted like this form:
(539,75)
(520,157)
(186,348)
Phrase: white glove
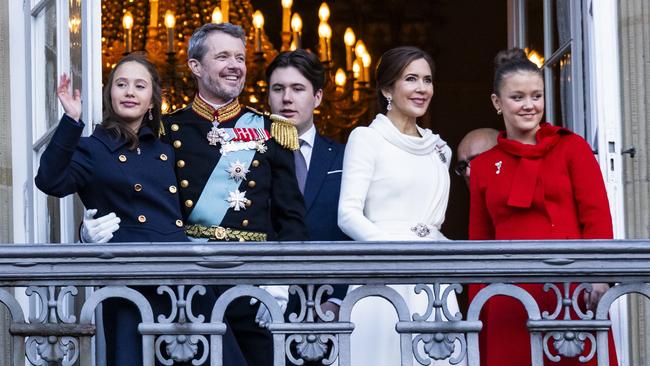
(99,230)
(281,295)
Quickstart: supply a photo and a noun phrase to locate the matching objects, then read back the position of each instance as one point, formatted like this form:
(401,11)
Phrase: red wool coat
(551,190)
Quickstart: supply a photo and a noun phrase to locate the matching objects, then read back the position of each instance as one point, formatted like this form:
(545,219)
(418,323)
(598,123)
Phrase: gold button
(137,187)
(179,223)
(244,223)
(252,184)
(189,203)
(177,144)
(172,189)
(142,218)
(185,183)
(242,240)
(255,163)
(249,203)
(163,157)
(174,127)
(122,158)
(180,163)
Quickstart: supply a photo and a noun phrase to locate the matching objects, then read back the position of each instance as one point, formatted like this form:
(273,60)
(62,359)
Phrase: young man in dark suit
(296,81)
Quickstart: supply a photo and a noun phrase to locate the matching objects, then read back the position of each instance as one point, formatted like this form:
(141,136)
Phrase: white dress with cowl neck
(391,183)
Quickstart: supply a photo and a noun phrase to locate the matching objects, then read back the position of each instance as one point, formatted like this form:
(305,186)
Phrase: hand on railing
(330,306)
(592,298)
(99,230)
(281,295)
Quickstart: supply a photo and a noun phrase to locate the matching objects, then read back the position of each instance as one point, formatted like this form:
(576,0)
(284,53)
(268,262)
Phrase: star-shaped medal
(237,171)
(261,146)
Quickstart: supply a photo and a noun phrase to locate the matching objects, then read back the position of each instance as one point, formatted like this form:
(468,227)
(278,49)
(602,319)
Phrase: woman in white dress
(395,186)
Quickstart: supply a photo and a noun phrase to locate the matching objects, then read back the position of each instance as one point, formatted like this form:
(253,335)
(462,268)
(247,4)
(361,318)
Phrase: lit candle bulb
(153,13)
(170,22)
(286,15)
(356,69)
(127,22)
(217,16)
(324,35)
(324,31)
(356,73)
(285,35)
(324,12)
(258,23)
(365,60)
(349,38)
(225,10)
(296,27)
(360,49)
(340,79)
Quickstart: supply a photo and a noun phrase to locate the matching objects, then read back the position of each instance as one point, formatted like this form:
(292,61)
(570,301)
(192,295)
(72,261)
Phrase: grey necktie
(301,168)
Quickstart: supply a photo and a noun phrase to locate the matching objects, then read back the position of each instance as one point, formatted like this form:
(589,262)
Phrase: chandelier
(162,28)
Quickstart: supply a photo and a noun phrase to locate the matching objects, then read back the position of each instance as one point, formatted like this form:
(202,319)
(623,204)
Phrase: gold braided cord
(202,108)
(221,233)
(284,132)
(228,111)
(161,129)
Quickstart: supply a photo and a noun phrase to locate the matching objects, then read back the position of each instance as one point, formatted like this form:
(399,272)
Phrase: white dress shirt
(305,149)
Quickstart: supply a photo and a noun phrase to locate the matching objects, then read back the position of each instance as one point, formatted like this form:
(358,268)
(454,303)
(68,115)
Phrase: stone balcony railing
(61,327)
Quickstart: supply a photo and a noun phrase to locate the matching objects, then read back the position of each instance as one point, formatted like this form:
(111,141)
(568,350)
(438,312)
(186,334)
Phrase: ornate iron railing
(53,273)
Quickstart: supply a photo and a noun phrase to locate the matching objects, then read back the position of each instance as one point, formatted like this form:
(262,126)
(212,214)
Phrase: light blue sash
(213,205)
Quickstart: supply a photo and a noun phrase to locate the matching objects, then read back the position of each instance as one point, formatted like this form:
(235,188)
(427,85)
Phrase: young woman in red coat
(539,182)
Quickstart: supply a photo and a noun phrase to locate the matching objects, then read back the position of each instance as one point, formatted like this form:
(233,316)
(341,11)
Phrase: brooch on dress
(421,230)
(498,165)
(441,154)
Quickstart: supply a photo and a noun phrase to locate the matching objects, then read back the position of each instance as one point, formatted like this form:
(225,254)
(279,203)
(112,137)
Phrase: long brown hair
(117,126)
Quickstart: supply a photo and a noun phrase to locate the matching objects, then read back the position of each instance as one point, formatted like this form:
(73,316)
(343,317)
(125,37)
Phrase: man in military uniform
(235,166)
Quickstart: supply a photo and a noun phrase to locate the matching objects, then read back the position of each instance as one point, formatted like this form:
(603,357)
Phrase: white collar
(213,105)
(428,143)
(309,136)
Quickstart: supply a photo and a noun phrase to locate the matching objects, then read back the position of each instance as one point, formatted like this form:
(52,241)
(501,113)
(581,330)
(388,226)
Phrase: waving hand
(71,103)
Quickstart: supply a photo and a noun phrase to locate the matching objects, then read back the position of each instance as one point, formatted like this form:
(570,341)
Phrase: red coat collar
(530,157)
(547,136)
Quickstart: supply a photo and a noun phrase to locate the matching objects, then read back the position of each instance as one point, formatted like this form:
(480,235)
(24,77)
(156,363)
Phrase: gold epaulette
(256,111)
(284,132)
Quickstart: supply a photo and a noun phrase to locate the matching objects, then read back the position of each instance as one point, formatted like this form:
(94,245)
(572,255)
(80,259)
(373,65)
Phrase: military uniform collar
(208,112)
(113,143)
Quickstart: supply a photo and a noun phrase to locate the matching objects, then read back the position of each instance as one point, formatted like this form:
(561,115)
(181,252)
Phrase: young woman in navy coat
(123,168)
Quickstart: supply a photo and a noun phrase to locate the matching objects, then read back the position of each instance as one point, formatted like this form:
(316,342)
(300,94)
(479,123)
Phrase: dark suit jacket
(322,189)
